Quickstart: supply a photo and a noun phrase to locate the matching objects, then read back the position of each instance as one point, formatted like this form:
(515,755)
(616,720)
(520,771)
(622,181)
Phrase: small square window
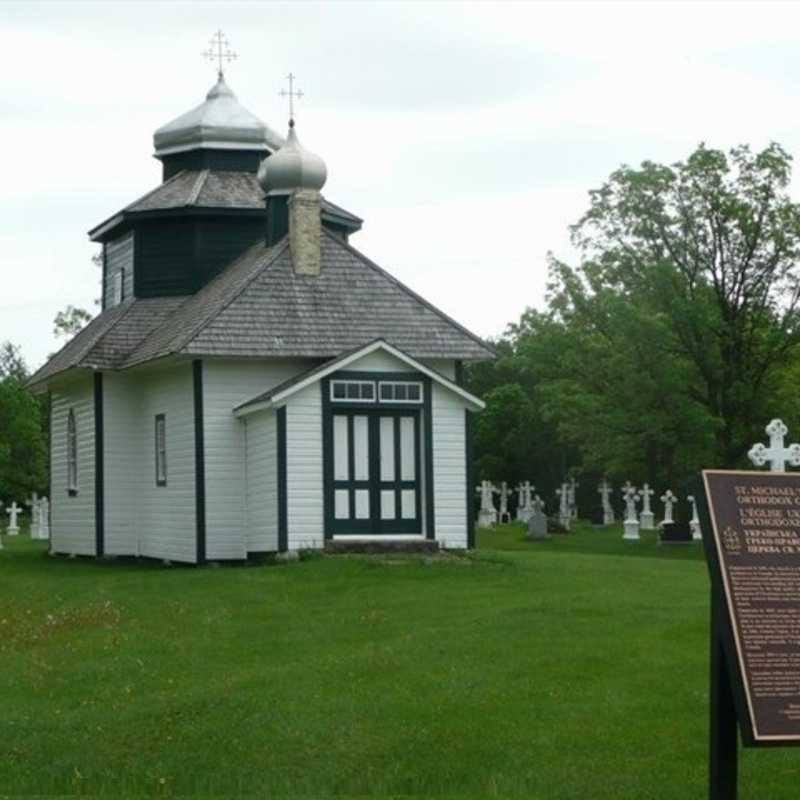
(367,391)
(400,391)
(339,392)
(413,392)
(386,391)
(353,392)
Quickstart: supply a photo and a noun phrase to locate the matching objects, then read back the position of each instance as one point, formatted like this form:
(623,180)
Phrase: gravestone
(605,491)
(776,453)
(564,516)
(487,516)
(669,500)
(646,518)
(571,498)
(44,518)
(33,504)
(504,516)
(537,523)
(13,512)
(524,507)
(631,522)
(694,522)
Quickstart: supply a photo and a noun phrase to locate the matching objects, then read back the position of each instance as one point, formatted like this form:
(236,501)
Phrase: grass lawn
(574,668)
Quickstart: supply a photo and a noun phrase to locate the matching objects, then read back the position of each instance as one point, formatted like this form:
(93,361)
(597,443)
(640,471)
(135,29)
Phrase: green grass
(573,668)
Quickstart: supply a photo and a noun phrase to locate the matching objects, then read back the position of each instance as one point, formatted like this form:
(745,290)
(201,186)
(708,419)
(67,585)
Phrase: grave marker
(646,518)
(631,523)
(13,512)
(605,490)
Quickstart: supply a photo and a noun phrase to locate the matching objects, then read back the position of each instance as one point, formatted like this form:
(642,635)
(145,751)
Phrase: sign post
(751,533)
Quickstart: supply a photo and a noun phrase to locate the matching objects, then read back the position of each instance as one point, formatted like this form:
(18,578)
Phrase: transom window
(363,391)
(118,281)
(400,391)
(72,454)
(161,450)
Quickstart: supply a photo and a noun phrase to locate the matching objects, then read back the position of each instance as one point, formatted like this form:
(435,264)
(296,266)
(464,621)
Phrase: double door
(376,472)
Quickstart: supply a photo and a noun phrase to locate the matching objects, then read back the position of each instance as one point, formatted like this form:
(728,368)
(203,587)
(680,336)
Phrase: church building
(254,384)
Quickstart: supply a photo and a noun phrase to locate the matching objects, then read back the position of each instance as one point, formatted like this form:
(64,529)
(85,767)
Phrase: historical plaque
(753,547)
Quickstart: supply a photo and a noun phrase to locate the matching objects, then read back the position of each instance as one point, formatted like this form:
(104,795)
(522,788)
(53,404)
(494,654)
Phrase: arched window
(72,454)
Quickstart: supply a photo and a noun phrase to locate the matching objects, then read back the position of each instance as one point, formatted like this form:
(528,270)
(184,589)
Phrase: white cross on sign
(776,453)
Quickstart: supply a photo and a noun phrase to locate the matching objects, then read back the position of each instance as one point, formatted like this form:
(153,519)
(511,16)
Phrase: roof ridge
(446,317)
(277,250)
(199,183)
(160,186)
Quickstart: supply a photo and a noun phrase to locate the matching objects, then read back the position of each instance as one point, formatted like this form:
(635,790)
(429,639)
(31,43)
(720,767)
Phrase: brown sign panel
(755,527)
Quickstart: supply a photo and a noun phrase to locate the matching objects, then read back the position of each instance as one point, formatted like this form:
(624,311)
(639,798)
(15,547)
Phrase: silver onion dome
(292,167)
(220,122)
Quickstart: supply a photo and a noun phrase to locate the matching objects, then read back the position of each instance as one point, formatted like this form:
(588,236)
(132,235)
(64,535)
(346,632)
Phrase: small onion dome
(292,167)
(220,122)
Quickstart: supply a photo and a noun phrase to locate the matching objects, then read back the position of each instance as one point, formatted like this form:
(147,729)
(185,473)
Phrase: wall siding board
(123,463)
(449,468)
(166,515)
(304,469)
(262,483)
(118,255)
(73,528)
(232,481)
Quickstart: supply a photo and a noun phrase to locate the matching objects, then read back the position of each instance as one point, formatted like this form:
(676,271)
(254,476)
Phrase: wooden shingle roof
(259,307)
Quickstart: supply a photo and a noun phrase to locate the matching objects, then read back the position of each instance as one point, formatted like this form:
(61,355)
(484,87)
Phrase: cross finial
(776,453)
(219,51)
(291,94)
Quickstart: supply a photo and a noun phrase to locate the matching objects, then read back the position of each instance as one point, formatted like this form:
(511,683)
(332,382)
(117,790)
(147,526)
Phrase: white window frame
(72,453)
(417,402)
(161,449)
(117,280)
(349,381)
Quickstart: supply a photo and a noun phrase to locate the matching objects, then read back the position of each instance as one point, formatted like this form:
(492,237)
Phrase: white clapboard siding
(166,515)
(227,384)
(124,430)
(444,366)
(304,503)
(262,482)
(72,521)
(449,469)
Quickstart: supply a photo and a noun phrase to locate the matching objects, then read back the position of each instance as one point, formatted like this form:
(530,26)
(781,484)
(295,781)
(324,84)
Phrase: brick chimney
(305,230)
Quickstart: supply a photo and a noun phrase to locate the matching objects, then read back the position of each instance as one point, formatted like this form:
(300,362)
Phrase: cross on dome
(219,51)
(776,453)
(291,94)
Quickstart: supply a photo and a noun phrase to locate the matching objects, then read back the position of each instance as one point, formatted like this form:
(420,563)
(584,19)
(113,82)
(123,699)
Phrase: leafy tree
(69,321)
(23,442)
(705,254)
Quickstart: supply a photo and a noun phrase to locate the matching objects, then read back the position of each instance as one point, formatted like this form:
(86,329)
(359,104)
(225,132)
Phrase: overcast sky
(466,135)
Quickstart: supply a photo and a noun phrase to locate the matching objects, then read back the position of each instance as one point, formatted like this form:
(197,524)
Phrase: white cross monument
(524,507)
(44,518)
(504,516)
(604,490)
(571,501)
(13,512)
(33,504)
(631,523)
(564,516)
(487,516)
(669,500)
(776,453)
(646,518)
(694,522)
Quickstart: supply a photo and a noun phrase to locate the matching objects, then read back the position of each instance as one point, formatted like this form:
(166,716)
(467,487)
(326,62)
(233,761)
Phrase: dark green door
(376,468)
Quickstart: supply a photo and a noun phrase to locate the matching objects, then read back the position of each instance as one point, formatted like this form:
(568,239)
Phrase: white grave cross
(776,453)
(630,495)
(13,512)
(669,500)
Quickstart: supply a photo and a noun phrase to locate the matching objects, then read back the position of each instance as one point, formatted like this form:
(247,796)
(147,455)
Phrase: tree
(708,248)
(23,441)
(69,321)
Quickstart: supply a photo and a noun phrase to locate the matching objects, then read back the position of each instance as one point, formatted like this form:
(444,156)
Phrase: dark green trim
(104,281)
(459,373)
(430,533)
(470,470)
(99,468)
(327,460)
(199,461)
(283,511)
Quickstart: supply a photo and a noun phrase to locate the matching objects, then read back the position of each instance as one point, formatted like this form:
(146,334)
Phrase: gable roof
(211,189)
(285,390)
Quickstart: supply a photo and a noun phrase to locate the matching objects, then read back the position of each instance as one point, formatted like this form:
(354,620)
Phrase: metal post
(723,752)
